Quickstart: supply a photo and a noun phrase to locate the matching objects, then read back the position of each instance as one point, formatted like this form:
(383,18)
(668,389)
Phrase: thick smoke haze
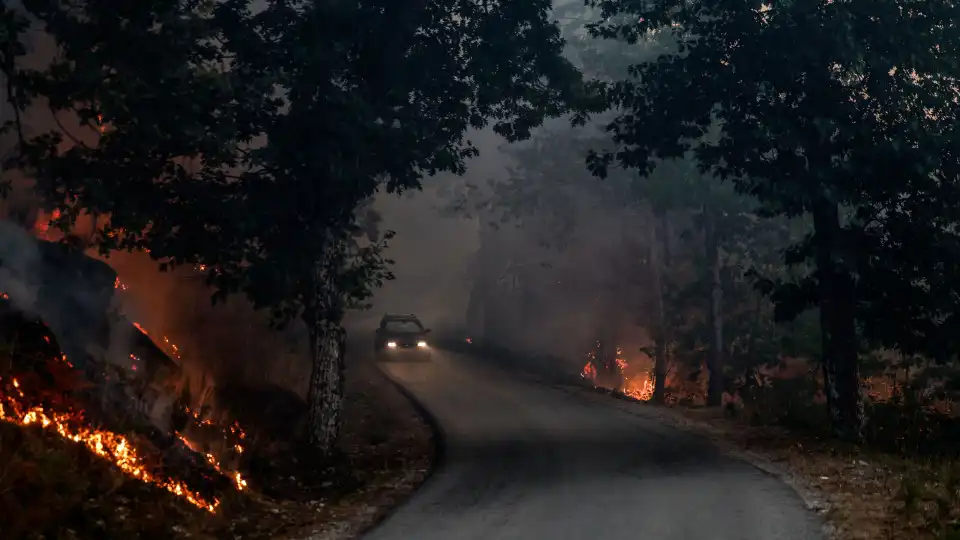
(437,254)
(434,249)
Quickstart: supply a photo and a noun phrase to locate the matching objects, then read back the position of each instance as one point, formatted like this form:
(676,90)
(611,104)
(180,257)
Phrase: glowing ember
(237,479)
(469,340)
(589,372)
(170,348)
(639,386)
(173,349)
(110,446)
(234,430)
(117,284)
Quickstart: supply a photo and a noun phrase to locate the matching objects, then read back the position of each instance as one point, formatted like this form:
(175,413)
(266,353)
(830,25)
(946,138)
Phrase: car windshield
(403,326)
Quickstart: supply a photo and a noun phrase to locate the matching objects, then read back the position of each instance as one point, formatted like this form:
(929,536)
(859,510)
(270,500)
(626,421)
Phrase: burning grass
(903,484)
(634,378)
(116,449)
(52,488)
(61,476)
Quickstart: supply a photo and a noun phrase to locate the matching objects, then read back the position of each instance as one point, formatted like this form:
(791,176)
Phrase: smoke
(434,249)
(446,266)
(228,344)
(225,344)
(568,270)
(69,292)
(19,266)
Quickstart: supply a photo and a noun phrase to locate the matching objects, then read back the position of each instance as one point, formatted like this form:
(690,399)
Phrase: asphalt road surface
(526,461)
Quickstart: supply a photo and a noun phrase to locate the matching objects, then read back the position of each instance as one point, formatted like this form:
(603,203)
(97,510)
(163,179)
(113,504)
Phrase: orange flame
(238,481)
(169,347)
(108,445)
(589,372)
(233,429)
(639,386)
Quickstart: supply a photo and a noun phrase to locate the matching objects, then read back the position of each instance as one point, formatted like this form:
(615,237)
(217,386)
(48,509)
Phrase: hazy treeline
(690,226)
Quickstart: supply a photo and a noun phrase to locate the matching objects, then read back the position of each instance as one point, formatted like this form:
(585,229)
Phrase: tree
(244,139)
(856,123)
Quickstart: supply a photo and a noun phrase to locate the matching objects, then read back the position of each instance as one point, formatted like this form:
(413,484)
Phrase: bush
(789,402)
(908,424)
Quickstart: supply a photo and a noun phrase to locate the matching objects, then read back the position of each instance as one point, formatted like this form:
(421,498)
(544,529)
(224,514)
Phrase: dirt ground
(54,489)
(391,448)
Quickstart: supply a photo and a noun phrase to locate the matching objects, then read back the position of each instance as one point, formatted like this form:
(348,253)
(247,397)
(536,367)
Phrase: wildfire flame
(110,446)
(638,386)
(168,346)
(42,225)
(589,372)
(233,429)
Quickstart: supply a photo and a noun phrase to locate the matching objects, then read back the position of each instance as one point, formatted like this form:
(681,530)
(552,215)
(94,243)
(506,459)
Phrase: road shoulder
(392,448)
(860,494)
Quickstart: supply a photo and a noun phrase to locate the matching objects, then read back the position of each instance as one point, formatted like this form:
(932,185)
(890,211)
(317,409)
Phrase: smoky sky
(434,253)
(433,250)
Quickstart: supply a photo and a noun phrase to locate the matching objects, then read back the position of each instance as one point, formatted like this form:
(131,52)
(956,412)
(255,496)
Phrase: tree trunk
(325,395)
(841,376)
(660,339)
(715,358)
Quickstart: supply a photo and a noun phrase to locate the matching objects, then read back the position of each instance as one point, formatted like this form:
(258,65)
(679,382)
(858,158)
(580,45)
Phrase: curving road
(525,461)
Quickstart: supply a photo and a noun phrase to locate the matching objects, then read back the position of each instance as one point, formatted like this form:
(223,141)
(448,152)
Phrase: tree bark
(657,241)
(325,394)
(841,375)
(715,358)
(323,313)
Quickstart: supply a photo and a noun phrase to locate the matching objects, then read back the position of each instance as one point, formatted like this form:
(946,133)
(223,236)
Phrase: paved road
(525,461)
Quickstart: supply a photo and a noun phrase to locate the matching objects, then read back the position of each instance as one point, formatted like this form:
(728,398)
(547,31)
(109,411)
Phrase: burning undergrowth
(40,388)
(131,408)
(608,367)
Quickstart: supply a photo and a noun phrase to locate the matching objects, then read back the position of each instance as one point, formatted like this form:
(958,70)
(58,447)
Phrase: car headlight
(392,344)
(422,344)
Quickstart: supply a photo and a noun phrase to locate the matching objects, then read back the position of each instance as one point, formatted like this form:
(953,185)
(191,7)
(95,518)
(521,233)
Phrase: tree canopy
(242,136)
(853,127)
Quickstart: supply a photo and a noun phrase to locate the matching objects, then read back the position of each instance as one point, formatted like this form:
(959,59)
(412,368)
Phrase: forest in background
(688,266)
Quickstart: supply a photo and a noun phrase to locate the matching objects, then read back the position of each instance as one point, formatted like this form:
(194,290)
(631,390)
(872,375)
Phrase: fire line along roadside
(70,386)
(93,438)
(107,441)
